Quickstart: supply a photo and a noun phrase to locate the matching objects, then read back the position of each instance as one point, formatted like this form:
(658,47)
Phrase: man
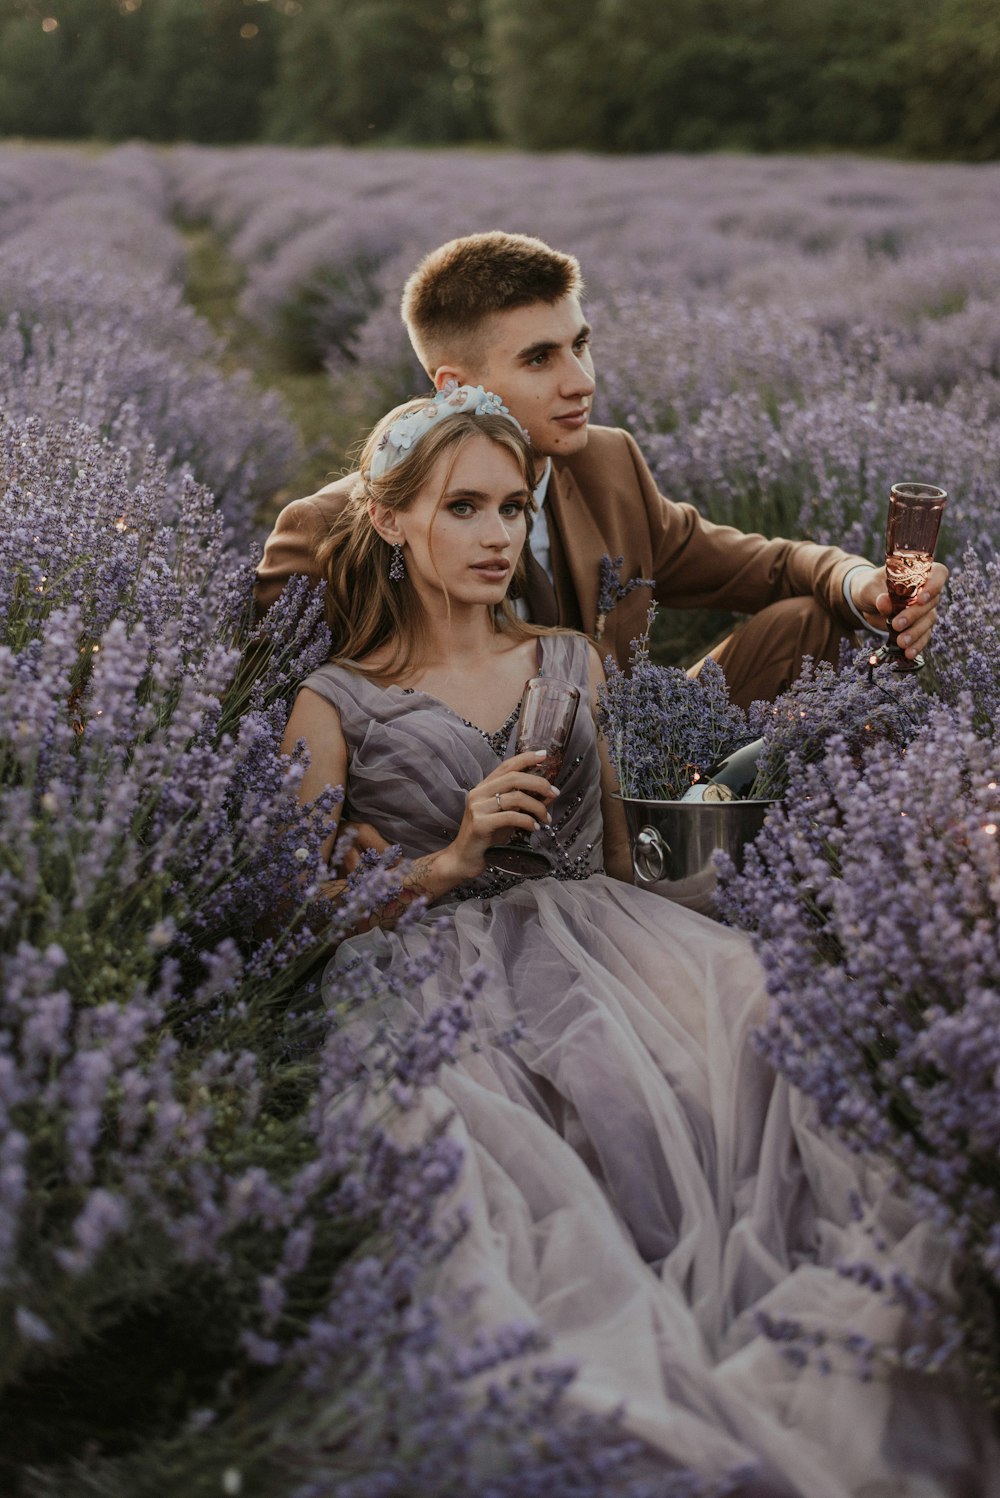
(504,311)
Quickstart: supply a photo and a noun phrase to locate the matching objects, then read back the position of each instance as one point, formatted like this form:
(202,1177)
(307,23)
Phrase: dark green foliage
(359,70)
(205,71)
(862,78)
(953,101)
(915,76)
(556,83)
(122,1387)
(631,75)
(46,74)
(157,69)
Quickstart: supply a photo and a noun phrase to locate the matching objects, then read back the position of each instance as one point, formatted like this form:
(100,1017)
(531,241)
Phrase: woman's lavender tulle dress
(639,1183)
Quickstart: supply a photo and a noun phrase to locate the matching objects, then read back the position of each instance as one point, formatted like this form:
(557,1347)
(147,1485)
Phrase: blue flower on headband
(397,439)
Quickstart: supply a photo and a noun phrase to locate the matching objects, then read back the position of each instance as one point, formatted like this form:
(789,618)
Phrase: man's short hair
(449,298)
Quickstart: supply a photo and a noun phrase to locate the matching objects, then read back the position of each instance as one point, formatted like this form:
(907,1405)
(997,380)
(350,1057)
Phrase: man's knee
(764,656)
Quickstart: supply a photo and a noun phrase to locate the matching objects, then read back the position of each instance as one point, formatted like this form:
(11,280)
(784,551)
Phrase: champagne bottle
(729,779)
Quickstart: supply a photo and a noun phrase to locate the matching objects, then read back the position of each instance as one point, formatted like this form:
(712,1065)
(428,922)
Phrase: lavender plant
(822,467)
(320,287)
(855,704)
(664,729)
(873,895)
(611,590)
(967,640)
(94,328)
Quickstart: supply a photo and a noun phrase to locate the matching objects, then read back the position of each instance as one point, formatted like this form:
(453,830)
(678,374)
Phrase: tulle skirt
(645,1189)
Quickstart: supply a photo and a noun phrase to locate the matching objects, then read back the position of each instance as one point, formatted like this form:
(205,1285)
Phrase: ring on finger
(498,794)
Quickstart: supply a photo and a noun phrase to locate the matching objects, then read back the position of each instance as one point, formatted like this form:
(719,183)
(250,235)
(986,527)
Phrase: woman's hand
(510,797)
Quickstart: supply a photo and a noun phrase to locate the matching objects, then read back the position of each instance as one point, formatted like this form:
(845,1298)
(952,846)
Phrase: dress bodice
(412,759)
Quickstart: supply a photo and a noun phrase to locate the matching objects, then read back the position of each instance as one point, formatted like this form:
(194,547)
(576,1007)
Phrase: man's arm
(293,545)
(697,564)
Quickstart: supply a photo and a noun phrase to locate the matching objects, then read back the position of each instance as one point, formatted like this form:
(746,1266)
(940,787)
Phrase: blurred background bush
(916,77)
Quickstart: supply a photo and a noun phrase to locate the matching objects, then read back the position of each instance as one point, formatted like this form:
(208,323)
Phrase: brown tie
(539,594)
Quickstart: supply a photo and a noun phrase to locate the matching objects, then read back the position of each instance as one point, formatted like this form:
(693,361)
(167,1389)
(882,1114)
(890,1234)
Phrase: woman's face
(464,531)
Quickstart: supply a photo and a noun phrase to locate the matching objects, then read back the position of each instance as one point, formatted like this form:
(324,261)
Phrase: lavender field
(219,1219)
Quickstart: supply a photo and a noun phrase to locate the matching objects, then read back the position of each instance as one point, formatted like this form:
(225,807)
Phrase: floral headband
(398,438)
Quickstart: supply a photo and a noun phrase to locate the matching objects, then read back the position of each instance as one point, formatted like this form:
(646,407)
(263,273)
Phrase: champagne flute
(911,533)
(548,711)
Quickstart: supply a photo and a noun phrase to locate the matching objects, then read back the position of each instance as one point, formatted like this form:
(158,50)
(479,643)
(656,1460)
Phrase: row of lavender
(94,327)
(218,1227)
(785,337)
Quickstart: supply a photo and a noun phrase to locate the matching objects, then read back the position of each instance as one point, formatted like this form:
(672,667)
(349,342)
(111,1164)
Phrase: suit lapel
(575,567)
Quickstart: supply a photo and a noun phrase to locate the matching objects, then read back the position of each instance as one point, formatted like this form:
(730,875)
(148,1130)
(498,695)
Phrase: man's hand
(913,625)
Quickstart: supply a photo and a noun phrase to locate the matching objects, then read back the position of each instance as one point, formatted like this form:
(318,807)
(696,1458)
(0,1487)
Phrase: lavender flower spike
(611,589)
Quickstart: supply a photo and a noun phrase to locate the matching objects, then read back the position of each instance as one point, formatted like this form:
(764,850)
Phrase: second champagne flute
(548,711)
(911,532)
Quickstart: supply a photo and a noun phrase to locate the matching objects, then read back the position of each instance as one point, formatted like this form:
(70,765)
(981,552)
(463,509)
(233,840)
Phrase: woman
(638,1182)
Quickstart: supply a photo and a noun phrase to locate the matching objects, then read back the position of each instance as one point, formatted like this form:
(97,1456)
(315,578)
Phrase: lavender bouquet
(663,728)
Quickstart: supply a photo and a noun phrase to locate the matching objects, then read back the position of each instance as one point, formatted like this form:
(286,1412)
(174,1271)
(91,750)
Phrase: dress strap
(566,656)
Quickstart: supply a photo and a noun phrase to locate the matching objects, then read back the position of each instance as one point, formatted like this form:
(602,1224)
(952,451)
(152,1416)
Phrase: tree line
(917,77)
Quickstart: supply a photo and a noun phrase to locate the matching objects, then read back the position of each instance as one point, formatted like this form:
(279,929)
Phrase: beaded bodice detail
(499,739)
(412,759)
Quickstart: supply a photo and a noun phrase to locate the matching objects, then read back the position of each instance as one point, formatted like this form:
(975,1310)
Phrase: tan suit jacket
(604,500)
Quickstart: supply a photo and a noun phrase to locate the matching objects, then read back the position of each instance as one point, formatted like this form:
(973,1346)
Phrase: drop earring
(397,567)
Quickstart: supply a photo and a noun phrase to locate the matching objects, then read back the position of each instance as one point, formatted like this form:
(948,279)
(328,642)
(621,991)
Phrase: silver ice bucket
(673,842)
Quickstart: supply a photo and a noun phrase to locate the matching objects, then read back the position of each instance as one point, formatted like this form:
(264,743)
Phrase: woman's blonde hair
(365,608)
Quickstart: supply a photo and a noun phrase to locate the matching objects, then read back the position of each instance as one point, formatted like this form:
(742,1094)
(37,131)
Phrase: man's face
(538,361)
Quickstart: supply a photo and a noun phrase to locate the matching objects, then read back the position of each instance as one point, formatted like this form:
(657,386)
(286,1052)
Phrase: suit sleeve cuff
(849,600)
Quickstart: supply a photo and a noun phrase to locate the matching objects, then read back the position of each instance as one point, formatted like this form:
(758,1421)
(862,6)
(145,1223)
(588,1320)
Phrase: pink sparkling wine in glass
(548,711)
(911,533)
(906,572)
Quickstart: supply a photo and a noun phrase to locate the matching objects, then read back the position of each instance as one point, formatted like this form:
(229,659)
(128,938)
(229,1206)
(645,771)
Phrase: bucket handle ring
(649,856)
